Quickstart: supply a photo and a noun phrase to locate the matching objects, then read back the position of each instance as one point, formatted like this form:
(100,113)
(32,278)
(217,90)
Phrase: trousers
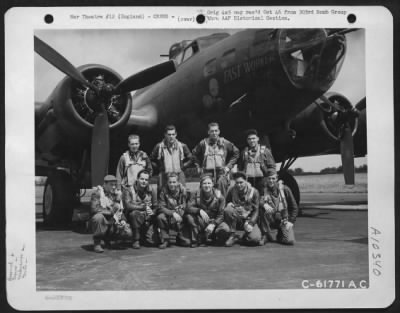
(166,223)
(142,227)
(104,227)
(269,221)
(235,221)
(197,226)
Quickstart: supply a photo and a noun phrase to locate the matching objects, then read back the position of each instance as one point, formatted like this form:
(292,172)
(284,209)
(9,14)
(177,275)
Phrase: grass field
(332,183)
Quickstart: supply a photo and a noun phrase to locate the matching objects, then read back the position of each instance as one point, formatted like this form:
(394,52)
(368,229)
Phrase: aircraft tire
(58,199)
(291,182)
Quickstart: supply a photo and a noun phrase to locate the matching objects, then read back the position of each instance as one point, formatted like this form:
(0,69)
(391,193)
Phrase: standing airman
(216,156)
(132,162)
(255,160)
(171,156)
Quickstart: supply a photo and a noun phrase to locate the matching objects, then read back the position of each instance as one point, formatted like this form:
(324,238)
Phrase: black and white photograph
(200,160)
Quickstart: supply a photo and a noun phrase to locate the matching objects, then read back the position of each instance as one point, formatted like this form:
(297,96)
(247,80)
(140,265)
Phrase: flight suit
(214,207)
(129,165)
(171,159)
(214,157)
(284,208)
(170,202)
(135,202)
(243,207)
(255,163)
(104,223)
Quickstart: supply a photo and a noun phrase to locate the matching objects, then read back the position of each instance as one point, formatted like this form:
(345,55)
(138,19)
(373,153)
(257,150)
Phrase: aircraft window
(309,57)
(210,68)
(228,58)
(178,57)
(188,53)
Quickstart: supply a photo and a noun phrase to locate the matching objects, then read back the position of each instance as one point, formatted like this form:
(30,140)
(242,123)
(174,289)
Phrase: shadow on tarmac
(314,214)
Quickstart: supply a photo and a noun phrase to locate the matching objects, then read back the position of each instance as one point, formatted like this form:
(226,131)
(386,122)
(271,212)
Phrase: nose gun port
(311,58)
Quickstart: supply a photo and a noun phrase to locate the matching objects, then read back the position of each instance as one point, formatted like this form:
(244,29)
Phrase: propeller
(347,155)
(58,61)
(100,143)
(146,77)
(100,148)
(342,124)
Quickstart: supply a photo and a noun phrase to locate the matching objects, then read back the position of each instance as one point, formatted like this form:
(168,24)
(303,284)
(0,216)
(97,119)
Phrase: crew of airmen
(229,206)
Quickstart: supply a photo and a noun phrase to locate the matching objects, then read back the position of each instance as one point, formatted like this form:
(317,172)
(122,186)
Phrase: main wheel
(58,199)
(289,181)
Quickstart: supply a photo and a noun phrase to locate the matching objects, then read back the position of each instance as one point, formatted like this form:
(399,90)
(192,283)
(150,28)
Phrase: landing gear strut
(58,199)
(288,179)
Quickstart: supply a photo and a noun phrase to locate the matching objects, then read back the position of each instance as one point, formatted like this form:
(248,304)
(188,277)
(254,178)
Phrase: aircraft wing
(322,129)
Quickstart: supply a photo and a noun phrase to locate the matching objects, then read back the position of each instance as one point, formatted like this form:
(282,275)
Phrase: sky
(128,51)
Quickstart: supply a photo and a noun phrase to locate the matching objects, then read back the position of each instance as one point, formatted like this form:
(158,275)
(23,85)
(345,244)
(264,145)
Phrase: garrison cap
(238,175)
(204,177)
(109,178)
(270,172)
(251,132)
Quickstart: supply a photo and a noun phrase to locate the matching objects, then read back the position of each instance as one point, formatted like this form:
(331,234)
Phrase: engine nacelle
(317,129)
(74,112)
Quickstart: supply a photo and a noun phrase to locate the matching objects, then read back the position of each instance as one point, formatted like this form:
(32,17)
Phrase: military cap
(204,177)
(251,132)
(109,178)
(239,174)
(271,171)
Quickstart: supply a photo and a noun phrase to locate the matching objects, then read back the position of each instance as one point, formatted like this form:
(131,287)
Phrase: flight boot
(231,241)
(136,244)
(97,246)
(164,244)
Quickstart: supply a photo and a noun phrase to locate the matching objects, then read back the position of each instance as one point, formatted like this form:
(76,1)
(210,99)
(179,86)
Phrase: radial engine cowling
(74,105)
(319,128)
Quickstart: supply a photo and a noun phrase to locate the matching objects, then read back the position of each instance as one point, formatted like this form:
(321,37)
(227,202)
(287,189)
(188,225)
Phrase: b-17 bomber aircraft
(274,80)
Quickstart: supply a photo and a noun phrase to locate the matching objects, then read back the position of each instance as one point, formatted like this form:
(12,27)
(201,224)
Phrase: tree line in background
(191,173)
(328,170)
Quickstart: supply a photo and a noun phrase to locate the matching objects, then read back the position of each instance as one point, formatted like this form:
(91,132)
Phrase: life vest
(247,197)
(104,200)
(172,158)
(214,156)
(132,167)
(279,202)
(136,200)
(173,202)
(252,163)
(211,208)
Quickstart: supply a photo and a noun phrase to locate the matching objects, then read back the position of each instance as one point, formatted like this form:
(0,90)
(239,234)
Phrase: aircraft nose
(311,58)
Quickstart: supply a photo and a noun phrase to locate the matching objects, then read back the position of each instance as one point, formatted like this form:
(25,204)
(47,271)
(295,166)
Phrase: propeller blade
(361,105)
(347,154)
(100,149)
(146,77)
(57,60)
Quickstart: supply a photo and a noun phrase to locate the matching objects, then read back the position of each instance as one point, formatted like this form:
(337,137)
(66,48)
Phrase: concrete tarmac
(332,244)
